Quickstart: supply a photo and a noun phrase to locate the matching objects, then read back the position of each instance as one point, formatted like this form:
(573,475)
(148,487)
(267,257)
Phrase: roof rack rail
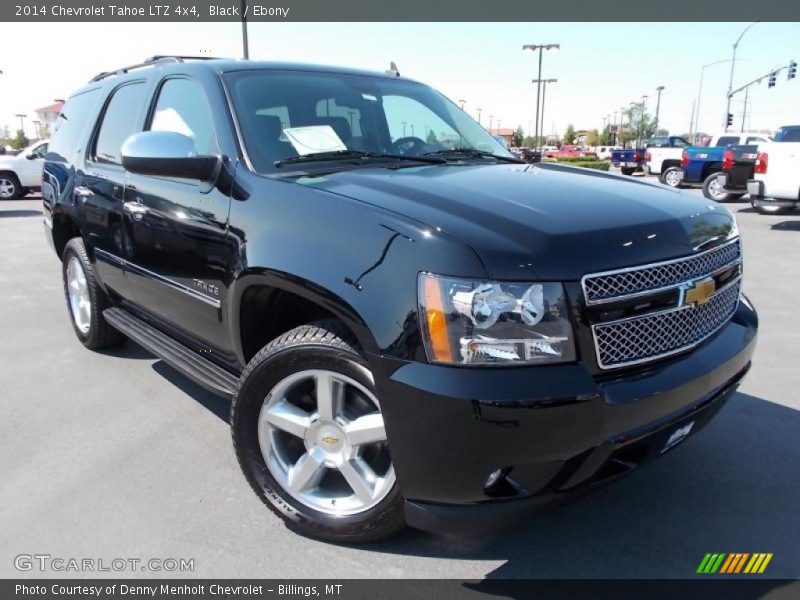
(149,62)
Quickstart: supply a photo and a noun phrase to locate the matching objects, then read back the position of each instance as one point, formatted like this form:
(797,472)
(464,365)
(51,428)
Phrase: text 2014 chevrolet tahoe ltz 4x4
(413,326)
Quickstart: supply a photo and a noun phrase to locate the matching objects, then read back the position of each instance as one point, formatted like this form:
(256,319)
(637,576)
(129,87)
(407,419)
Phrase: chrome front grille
(648,336)
(641,339)
(614,285)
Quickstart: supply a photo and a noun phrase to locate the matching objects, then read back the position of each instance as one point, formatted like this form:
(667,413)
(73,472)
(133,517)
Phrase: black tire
(709,187)
(627,170)
(100,333)
(664,175)
(321,345)
(11,183)
(768,210)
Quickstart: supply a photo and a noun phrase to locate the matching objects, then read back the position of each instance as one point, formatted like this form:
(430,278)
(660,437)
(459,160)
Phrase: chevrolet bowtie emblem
(700,292)
(329,439)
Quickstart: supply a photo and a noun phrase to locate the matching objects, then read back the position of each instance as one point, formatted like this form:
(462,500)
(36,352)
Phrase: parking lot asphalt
(115,455)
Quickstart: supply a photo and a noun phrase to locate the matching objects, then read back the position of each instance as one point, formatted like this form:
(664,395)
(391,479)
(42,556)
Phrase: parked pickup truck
(700,165)
(738,163)
(776,179)
(629,160)
(662,153)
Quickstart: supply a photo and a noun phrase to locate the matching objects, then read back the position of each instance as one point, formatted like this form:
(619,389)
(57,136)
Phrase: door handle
(137,209)
(83,192)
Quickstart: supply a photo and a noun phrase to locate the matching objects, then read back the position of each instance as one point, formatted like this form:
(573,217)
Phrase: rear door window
(728,140)
(120,120)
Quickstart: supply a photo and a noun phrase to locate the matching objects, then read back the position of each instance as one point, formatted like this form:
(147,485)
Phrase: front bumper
(555,430)
(756,190)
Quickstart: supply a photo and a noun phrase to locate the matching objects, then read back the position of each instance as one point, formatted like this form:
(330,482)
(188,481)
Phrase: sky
(600,67)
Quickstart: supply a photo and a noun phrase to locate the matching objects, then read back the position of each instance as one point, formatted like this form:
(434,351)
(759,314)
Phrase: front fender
(358,261)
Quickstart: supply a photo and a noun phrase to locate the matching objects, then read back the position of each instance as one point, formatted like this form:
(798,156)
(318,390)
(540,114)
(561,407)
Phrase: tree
(639,127)
(518,136)
(662,132)
(592,137)
(431,139)
(569,136)
(20,141)
(606,137)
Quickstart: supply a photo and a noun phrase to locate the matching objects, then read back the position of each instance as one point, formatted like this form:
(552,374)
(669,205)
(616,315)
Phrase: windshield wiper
(350,154)
(474,152)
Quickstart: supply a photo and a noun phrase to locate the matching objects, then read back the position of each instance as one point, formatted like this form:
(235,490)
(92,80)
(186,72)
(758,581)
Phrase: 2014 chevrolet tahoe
(413,326)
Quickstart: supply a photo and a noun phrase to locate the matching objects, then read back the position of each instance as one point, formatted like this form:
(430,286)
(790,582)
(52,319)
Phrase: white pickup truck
(775,186)
(662,153)
(22,173)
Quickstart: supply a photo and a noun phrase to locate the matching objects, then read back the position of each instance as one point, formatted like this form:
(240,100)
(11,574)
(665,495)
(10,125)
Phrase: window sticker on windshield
(369,97)
(313,139)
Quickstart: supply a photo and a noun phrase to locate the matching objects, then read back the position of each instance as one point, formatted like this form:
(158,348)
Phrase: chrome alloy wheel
(7,188)
(322,437)
(78,291)
(672,179)
(715,190)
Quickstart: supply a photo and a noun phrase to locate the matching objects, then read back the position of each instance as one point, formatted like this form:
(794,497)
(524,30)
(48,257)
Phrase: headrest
(269,126)
(338,124)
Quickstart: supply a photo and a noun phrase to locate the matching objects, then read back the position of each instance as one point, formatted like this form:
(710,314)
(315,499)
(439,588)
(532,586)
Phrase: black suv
(413,326)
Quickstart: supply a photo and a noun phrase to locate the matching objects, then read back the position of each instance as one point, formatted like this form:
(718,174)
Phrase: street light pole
(733,64)
(543,83)
(696,126)
(659,89)
(641,123)
(21,123)
(462,103)
(490,124)
(540,48)
(479,115)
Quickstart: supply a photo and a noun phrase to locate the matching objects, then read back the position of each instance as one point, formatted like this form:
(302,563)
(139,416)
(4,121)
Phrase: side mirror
(31,157)
(166,154)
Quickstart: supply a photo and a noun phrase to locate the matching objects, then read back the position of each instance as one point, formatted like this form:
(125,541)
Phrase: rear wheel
(10,189)
(309,435)
(713,190)
(86,301)
(627,170)
(671,176)
(767,210)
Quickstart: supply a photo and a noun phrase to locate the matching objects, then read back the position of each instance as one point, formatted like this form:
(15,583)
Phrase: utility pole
(21,123)
(540,48)
(245,42)
(733,64)
(659,89)
(744,112)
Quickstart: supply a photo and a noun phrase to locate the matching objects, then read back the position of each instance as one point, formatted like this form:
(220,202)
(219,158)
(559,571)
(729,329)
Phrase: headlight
(494,323)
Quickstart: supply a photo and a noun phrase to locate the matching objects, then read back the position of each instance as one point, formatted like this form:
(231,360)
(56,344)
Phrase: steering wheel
(405,145)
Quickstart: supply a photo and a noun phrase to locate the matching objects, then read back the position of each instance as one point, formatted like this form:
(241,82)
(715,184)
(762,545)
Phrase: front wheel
(671,176)
(309,435)
(713,190)
(10,188)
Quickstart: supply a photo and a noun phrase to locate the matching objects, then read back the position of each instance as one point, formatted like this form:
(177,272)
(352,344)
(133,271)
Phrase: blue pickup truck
(701,165)
(628,161)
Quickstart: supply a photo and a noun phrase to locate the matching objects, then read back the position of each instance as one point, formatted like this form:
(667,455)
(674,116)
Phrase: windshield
(286,114)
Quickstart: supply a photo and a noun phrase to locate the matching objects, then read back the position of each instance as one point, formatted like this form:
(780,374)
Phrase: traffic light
(792,70)
(730,119)
(771,80)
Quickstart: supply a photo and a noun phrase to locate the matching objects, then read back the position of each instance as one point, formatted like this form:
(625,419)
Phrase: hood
(544,222)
